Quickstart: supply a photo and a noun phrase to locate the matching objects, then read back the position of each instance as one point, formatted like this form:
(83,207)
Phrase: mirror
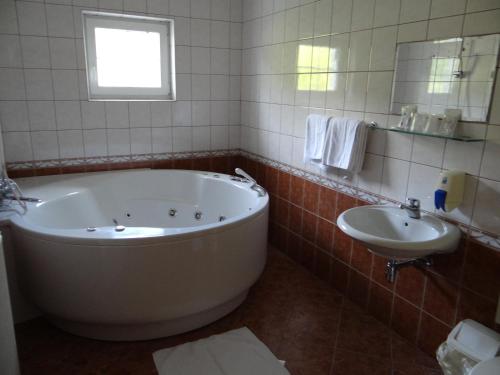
(456,73)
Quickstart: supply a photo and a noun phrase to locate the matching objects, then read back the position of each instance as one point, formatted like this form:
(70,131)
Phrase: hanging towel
(345,144)
(314,145)
(236,352)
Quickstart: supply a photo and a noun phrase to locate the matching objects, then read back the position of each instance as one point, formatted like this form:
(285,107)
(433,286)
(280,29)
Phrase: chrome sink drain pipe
(393,265)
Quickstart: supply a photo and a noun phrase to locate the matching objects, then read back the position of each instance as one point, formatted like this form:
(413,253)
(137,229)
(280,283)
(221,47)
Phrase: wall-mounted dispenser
(450,190)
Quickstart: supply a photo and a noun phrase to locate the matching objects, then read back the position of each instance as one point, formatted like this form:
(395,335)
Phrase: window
(129,57)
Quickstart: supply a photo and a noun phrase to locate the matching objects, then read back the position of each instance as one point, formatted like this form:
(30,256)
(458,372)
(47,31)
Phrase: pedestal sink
(389,232)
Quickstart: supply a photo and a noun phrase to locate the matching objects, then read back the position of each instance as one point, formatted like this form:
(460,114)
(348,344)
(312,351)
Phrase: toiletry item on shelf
(450,190)
(450,121)
(407,114)
(434,123)
(419,122)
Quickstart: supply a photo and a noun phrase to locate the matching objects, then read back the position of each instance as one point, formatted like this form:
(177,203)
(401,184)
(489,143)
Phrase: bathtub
(136,255)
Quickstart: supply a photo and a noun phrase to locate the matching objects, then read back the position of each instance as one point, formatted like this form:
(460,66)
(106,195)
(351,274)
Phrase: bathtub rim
(108,235)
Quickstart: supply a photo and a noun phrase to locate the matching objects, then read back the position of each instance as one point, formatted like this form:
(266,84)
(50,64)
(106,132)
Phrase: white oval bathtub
(192,245)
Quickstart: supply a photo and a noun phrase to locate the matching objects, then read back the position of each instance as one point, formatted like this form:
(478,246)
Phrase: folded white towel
(314,145)
(345,144)
(236,352)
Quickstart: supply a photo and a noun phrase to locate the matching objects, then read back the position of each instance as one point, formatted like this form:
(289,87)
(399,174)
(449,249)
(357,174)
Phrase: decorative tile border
(58,163)
(488,239)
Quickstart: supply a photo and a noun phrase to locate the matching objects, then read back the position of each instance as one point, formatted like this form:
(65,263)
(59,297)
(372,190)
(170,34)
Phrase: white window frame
(163,26)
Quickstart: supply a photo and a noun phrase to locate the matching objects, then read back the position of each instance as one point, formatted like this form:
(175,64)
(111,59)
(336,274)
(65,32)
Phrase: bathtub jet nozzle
(118,227)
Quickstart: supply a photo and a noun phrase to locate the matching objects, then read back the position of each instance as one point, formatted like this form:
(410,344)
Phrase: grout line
(26,103)
(337,335)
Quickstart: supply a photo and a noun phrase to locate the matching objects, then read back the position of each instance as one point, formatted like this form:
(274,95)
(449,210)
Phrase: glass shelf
(454,138)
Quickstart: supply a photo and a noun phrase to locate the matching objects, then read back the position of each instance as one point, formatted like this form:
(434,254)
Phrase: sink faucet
(412,208)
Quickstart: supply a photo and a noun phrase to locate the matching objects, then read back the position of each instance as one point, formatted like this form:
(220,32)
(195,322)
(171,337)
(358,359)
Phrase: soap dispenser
(450,190)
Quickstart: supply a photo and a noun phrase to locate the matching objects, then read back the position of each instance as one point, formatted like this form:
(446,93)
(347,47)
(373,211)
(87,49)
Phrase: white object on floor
(470,348)
(237,352)
(314,145)
(475,340)
(489,367)
(345,144)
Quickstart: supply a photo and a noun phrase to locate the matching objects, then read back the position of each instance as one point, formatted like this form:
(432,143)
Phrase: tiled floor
(302,320)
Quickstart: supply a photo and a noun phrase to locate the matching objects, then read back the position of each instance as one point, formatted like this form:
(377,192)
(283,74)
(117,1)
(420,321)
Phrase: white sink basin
(389,232)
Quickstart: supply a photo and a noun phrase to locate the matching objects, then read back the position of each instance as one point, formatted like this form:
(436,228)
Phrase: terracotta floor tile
(323,265)
(339,275)
(359,332)
(358,288)
(404,352)
(352,363)
(299,317)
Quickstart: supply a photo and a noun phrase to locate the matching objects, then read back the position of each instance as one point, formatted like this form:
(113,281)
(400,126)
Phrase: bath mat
(237,352)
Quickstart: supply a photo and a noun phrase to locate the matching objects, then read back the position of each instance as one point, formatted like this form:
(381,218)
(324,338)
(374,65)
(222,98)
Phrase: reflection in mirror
(313,63)
(456,73)
(316,66)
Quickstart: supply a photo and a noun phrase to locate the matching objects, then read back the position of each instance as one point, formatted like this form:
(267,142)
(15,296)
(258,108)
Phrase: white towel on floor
(345,144)
(314,145)
(236,352)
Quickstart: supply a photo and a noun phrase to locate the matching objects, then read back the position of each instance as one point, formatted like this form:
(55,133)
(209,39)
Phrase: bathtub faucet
(259,189)
(10,191)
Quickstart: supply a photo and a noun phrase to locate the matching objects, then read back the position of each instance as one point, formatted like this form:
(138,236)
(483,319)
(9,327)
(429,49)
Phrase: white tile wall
(363,35)
(44,109)
(45,115)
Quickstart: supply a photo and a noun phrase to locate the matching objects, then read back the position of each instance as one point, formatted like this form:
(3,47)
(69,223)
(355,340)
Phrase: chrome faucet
(259,189)
(412,208)
(10,191)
